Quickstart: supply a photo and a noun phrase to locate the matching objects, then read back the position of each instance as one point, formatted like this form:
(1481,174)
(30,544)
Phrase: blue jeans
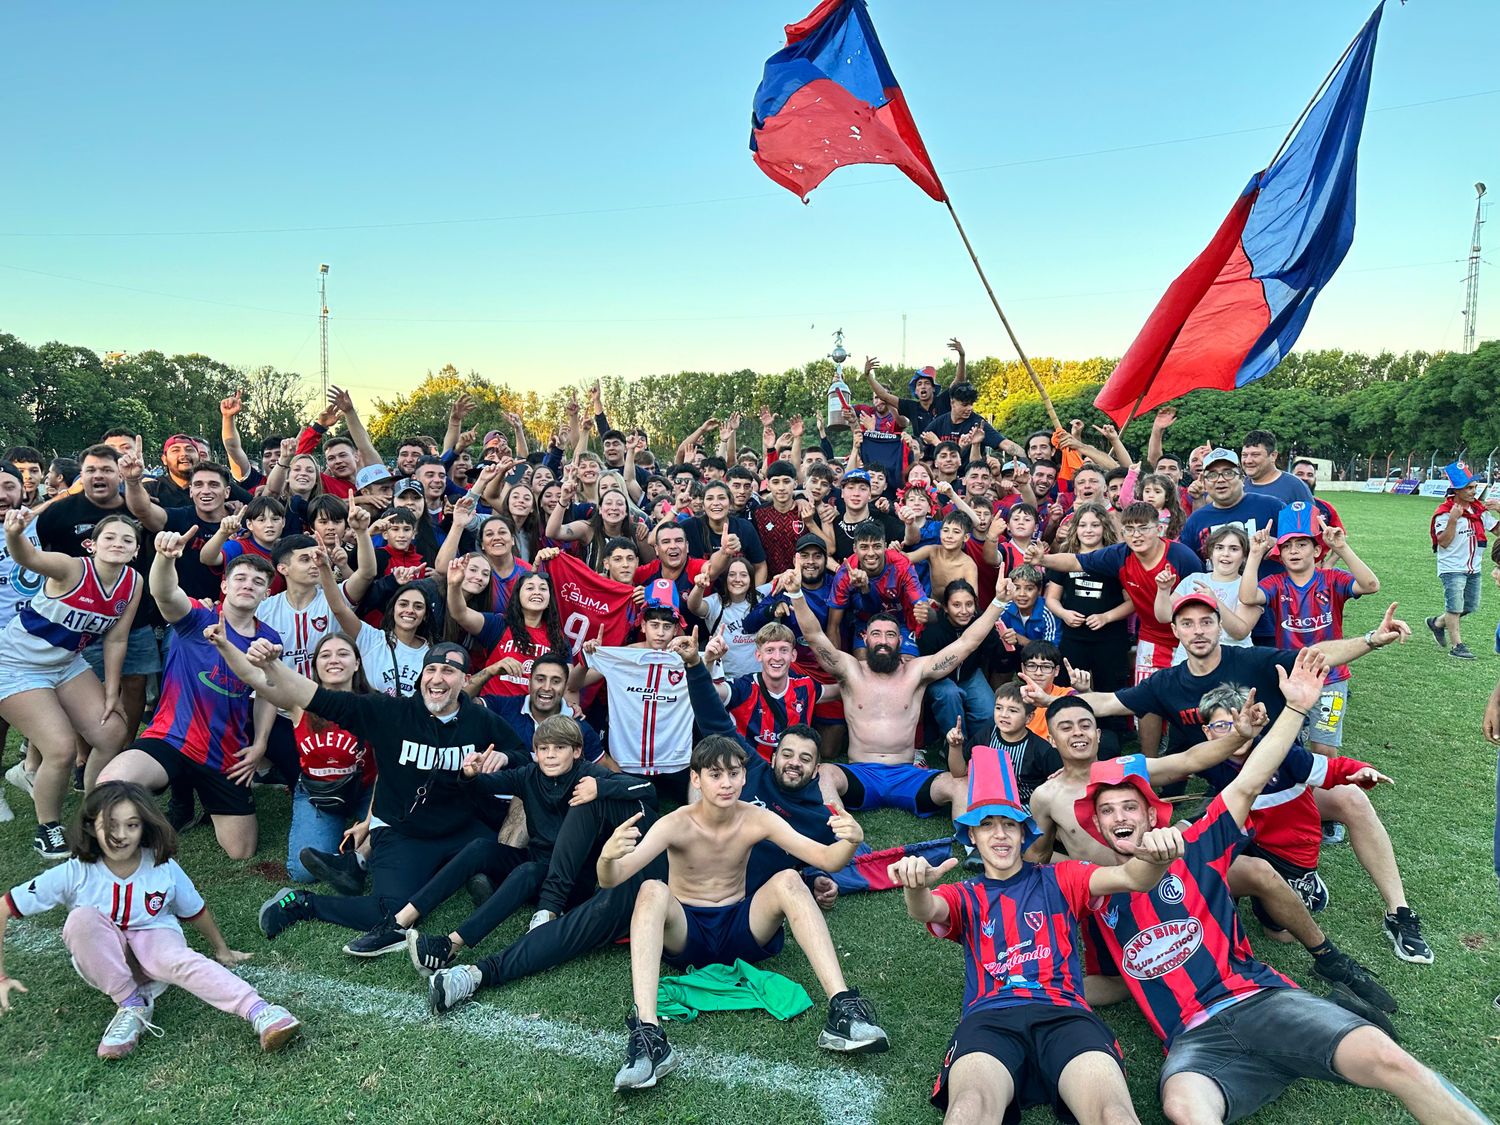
(313,828)
(973,698)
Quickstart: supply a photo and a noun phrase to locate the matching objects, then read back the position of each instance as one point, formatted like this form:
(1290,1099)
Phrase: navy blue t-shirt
(1173,693)
(1285,489)
(1252,513)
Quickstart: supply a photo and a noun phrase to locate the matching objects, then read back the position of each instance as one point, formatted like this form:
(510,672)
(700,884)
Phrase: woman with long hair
(529,627)
(1092,610)
(734,595)
(391,655)
(610,519)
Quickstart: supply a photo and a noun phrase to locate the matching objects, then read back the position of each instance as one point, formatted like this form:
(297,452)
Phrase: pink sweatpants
(117,962)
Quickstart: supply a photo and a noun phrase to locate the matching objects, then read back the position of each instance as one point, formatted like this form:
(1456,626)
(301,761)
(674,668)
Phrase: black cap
(11,471)
(447,653)
(807,540)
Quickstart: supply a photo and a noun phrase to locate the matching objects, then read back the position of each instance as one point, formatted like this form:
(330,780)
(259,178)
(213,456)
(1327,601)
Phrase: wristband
(795,595)
(1289,707)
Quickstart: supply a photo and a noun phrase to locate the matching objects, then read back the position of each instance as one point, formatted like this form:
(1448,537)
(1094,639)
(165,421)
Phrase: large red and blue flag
(1236,311)
(828,98)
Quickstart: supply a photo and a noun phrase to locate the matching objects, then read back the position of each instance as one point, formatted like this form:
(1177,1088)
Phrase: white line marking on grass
(841,1098)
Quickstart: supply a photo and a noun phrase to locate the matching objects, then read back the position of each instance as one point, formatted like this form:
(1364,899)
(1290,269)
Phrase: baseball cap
(371,474)
(7,469)
(993,792)
(807,541)
(928,372)
(1459,475)
(1129,770)
(1222,454)
(447,653)
(855,475)
(408,484)
(1202,597)
(492,437)
(186,439)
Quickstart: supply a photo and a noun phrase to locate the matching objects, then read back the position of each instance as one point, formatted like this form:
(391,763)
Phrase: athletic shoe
(20,777)
(1312,890)
(275,1026)
(1439,633)
(448,988)
(382,938)
(5,813)
(541,918)
(51,842)
(1461,651)
(340,870)
(480,888)
(1334,833)
(78,779)
(851,1026)
(183,816)
(648,1056)
(1404,929)
(1349,1000)
(1339,968)
(429,952)
(285,907)
(124,1031)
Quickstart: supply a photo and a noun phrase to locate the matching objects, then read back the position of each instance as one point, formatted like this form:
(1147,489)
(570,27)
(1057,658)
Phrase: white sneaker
(124,1032)
(275,1025)
(5,813)
(541,918)
(18,776)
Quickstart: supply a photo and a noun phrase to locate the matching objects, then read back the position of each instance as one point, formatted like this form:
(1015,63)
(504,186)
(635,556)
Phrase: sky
(550,193)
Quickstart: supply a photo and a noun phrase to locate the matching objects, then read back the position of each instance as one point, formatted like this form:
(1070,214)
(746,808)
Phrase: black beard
(776,778)
(883,661)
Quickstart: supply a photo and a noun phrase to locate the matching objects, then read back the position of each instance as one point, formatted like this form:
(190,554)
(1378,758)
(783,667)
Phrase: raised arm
(212,552)
(836,663)
(1390,631)
(1365,580)
(358,583)
(470,620)
(152,515)
(916,878)
(625,852)
(28,556)
(368,454)
(871,366)
(1301,691)
(173,603)
(1164,418)
(825,857)
(940,663)
(229,435)
(962,376)
(463,513)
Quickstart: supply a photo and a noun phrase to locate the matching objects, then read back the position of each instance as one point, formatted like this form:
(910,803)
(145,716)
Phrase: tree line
(1332,403)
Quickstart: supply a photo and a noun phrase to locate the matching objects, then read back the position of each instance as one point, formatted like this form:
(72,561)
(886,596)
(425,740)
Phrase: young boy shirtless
(702,916)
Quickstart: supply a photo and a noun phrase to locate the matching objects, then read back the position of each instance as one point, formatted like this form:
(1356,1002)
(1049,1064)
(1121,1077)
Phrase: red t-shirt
(327,751)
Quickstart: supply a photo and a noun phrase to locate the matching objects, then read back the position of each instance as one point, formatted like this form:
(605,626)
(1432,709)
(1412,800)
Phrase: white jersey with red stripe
(152,897)
(48,631)
(650,715)
(300,629)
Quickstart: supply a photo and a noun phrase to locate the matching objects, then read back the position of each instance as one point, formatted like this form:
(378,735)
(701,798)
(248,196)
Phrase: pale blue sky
(637,236)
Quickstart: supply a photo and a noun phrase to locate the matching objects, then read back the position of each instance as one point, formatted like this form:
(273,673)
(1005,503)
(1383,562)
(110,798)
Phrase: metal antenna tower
(323,325)
(1471,283)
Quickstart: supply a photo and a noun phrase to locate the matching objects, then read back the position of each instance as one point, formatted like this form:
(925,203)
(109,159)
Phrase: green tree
(425,409)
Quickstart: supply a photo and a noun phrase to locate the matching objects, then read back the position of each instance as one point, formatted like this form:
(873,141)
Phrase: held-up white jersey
(153,896)
(300,629)
(650,715)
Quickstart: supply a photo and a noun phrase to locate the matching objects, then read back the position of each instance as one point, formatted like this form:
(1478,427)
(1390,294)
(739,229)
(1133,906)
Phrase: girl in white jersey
(47,690)
(124,894)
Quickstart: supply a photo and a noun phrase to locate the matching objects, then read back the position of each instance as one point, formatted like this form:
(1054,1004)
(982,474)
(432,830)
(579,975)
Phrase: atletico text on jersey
(500,642)
(586,601)
(152,897)
(205,709)
(650,715)
(1179,946)
(761,717)
(1020,935)
(327,752)
(1139,581)
(1307,615)
(48,631)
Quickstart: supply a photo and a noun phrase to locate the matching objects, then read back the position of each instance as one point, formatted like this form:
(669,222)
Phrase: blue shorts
(1461,592)
(874,786)
(142,657)
(720,935)
(17,675)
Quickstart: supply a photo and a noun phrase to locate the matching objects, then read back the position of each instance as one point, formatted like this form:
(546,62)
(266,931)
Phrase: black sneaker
(851,1026)
(1312,890)
(1346,998)
(78,779)
(1461,651)
(1404,929)
(429,952)
(51,842)
(480,888)
(286,907)
(340,870)
(448,988)
(382,938)
(1439,632)
(183,815)
(648,1056)
(1339,968)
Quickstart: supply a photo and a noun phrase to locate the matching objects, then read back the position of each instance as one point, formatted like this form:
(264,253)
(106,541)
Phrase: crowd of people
(644,693)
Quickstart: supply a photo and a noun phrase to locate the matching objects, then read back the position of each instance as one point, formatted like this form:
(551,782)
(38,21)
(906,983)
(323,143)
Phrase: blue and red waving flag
(1233,315)
(828,98)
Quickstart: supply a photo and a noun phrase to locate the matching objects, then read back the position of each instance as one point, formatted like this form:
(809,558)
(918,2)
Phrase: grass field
(545,1050)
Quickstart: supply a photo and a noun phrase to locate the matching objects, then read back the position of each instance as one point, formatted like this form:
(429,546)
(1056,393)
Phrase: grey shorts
(142,657)
(1257,1048)
(1461,592)
(1325,723)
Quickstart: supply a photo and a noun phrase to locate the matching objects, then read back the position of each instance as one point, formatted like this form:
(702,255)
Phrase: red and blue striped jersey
(1179,946)
(46,632)
(1020,935)
(894,590)
(1305,615)
(205,709)
(754,709)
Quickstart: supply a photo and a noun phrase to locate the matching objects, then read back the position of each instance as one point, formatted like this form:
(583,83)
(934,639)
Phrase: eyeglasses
(1222,474)
(1221,726)
(1039,665)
